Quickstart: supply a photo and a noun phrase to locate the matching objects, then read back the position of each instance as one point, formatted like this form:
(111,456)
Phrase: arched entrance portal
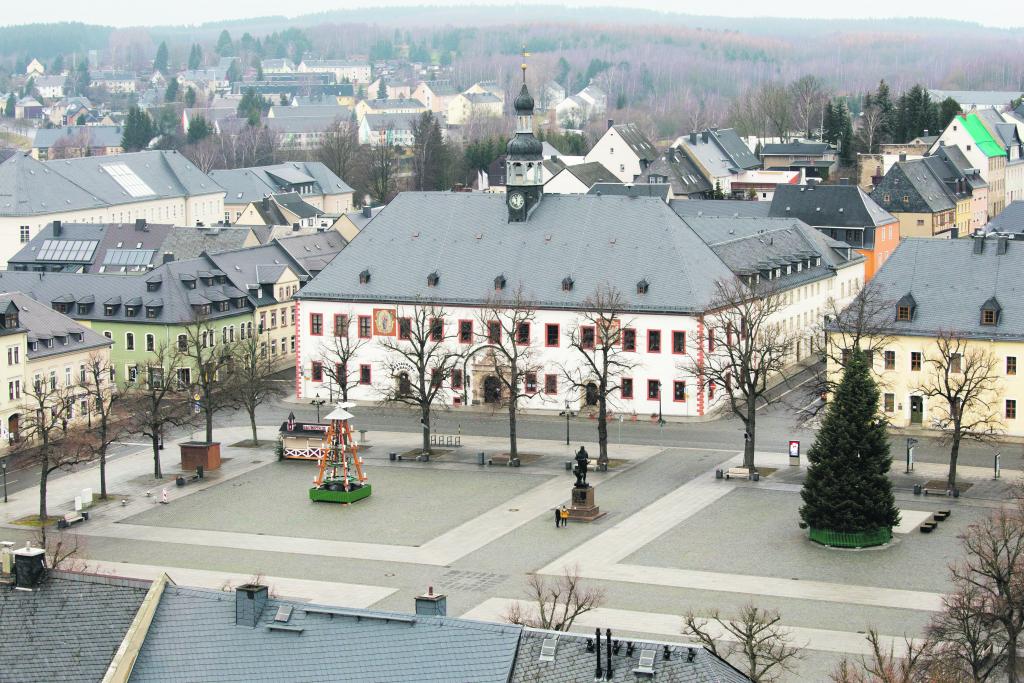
(404,385)
(591,396)
(492,389)
(13,425)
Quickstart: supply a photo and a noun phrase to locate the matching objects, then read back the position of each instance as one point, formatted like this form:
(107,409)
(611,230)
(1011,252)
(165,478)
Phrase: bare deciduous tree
(599,359)
(106,420)
(504,348)
(156,401)
(338,355)
(379,170)
(969,645)
(809,95)
(251,381)
(339,147)
(555,603)
(746,347)
(963,377)
(209,360)
(418,362)
(871,122)
(754,641)
(63,549)
(886,665)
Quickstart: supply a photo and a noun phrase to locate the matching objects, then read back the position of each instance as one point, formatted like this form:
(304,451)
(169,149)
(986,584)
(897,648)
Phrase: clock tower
(524,180)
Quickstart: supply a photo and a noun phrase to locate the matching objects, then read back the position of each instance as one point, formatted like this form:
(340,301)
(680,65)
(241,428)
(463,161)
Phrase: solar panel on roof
(67,250)
(128,257)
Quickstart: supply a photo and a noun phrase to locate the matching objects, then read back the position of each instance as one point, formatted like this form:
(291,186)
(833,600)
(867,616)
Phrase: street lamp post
(3,465)
(661,421)
(317,402)
(568,413)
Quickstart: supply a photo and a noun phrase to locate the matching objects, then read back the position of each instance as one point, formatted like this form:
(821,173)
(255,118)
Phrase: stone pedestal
(583,508)
(200,453)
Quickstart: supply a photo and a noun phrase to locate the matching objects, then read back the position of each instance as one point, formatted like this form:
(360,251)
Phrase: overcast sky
(123,13)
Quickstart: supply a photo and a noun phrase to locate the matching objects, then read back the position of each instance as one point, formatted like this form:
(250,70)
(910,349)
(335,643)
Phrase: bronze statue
(581,468)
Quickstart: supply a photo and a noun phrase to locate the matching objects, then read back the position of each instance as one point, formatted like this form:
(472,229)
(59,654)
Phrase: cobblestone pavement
(674,538)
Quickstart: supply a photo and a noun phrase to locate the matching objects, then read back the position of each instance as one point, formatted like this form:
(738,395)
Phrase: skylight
(129,182)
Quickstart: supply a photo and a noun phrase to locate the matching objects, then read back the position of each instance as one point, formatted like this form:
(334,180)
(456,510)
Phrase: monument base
(583,508)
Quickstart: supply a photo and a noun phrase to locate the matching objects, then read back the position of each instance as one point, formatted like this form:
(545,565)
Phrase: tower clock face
(516,200)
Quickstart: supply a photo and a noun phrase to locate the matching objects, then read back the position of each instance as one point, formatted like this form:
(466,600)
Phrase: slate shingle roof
(91,136)
(914,180)
(194,630)
(659,190)
(1010,219)
(68,629)
(590,173)
(841,206)
(723,154)
(738,208)
(467,238)
(244,185)
(42,323)
(796,148)
(685,178)
(315,251)
(573,664)
(922,267)
(636,141)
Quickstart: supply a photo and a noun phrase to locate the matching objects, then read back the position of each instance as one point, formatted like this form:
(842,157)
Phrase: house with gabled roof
(316,184)
(913,192)
(624,150)
(719,154)
(971,135)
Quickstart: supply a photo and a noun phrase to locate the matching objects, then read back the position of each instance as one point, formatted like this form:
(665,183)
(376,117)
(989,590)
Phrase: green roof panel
(981,136)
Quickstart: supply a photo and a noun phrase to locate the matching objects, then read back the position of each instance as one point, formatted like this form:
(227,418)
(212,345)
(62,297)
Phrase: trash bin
(568,465)
(756,476)
(917,489)
(514,462)
(180,481)
(719,474)
(480,458)
(956,492)
(199,471)
(392,456)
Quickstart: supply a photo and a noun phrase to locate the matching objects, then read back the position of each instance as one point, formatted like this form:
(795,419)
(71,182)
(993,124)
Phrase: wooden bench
(928,527)
(739,472)
(941,515)
(71,518)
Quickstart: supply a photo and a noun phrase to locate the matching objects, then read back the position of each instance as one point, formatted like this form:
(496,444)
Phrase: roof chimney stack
(29,567)
(168,257)
(431,604)
(57,229)
(367,211)
(705,136)
(140,224)
(693,138)
(611,123)
(250,599)
(903,156)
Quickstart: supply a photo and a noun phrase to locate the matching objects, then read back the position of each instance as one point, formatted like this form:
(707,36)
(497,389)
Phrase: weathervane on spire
(522,66)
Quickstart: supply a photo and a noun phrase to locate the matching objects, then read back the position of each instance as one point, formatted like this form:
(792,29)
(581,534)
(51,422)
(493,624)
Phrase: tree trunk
(602,429)
(513,450)
(954,454)
(252,423)
(1011,656)
(157,472)
(209,422)
(103,473)
(748,445)
(425,417)
(44,475)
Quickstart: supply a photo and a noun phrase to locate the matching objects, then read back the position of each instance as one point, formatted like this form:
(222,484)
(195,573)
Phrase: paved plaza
(673,538)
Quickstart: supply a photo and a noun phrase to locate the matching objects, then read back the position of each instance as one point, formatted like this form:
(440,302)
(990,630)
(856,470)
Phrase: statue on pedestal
(582,460)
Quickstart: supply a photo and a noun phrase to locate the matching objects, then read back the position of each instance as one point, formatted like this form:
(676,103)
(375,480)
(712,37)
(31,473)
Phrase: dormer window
(433,279)
(364,277)
(10,320)
(567,284)
(990,311)
(152,285)
(642,286)
(905,308)
(109,309)
(499,283)
(83,308)
(151,311)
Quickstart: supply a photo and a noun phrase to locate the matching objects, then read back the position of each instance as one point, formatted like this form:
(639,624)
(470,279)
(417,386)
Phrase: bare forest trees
(871,123)
(379,165)
(809,96)
(504,349)
(339,353)
(963,379)
(209,360)
(47,441)
(554,604)
(419,362)
(251,379)
(429,153)
(600,360)
(97,380)
(339,148)
(758,644)
(746,347)
(157,400)
(886,663)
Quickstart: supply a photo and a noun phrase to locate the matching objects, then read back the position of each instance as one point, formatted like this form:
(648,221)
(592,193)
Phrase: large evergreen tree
(171,94)
(10,105)
(160,62)
(138,130)
(251,106)
(195,57)
(883,100)
(225,48)
(949,109)
(847,488)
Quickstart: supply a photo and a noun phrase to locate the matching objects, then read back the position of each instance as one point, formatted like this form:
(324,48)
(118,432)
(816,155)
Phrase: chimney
(140,224)
(367,211)
(611,123)
(598,672)
(693,138)
(903,156)
(431,604)
(250,599)
(942,143)
(266,203)
(608,646)
(29,567)
(954,233)
(295,227)
(925,132)
(705,136)
(57,229)
(168,257)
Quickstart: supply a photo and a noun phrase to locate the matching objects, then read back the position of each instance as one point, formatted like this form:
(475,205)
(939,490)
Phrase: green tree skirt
(328,496)
(846,539)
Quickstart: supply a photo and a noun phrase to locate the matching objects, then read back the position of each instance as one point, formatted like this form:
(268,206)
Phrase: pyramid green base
(840,539)
(328,496)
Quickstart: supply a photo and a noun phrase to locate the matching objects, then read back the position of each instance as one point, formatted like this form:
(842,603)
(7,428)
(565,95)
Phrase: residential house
(575,110)
(551,93)
(47,355)
(395,90)
(350,224)
(719,154)
(50,87)
(407,106)
(484,87)
(219,111)
(35,69)
(329,112)
(113,81)
(970,134)
(758,185)
(288,208)
(660,190)
(158,186)
(844,213)
(913,192)
(1007,134)
(277,66)
(468,105)
(72,111)
(976,99)
(344,71)
(579,179)
(624,150)
(435,95)
(1011,220)
(295,133)
(919,146)
(967,288)
(390,129)
(813,159)
(77,141)
(312,180)
(28,107)
(204,81)
(676,169)
(290,86)
(975,184)
(313,251)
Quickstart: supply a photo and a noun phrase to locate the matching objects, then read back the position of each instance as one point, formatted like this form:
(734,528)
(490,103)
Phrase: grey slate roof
(796,148)
(257,266)
(686,179)
(922,267)
(92,136)
(591,172)
(402,122)
(737,208)
(313,251)
(723,154)
(297,205)
(244,185)
(331,112)
(659,190)
(1010,219)
(841,206)
(43,323)
(914,180)
(30,187)
(467,238)
(636,141)
(194,630)
(573,664)
(188,243)
(68,629)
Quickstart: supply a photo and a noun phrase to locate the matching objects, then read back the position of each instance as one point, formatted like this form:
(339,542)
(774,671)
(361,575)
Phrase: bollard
(199,471)
(956,492)
(568,465)
(917,489)
(756,476)
(480,458)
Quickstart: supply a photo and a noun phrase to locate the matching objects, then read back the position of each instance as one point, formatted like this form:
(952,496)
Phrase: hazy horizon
(119,14)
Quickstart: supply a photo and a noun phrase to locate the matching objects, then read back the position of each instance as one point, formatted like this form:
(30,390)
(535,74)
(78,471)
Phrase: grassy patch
(33,521)
(524,458)
(942,485)
(436,453)
(249,443)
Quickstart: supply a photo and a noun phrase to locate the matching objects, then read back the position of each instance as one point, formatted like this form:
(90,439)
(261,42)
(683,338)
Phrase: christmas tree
(847,493)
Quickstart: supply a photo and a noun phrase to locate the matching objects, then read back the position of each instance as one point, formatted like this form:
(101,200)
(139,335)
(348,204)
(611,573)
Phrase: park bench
(71,518)
(941,515)
(446,440)
(738,472)
(928,527)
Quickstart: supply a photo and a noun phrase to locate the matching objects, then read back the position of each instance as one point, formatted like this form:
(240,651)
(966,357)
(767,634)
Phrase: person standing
(558,518)
(564,515)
